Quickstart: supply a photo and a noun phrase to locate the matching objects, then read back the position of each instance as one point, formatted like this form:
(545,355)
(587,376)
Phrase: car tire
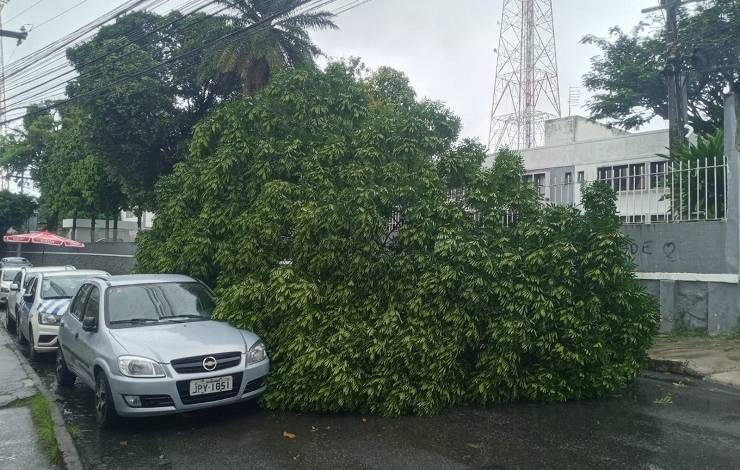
(65,377)
(105,410)
(33,355)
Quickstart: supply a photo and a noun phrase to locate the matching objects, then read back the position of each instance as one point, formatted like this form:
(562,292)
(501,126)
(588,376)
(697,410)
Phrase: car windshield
(155,303)
(61,287)
(9,274)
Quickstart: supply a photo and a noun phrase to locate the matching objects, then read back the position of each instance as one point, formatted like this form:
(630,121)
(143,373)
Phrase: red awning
(43,238)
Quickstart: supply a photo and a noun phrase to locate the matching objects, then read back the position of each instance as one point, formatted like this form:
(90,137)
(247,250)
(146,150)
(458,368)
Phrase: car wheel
(65,378)
(105,410)
(33,355)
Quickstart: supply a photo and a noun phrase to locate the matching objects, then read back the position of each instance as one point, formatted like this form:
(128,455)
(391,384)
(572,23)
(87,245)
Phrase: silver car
(147,345)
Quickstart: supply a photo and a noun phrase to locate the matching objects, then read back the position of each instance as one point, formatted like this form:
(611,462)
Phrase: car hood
(169,341)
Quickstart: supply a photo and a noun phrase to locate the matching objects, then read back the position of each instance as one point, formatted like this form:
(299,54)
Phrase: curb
(674,366)
(69,455)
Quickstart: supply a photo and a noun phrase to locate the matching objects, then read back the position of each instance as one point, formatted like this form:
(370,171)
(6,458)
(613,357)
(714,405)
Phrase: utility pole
(675,76)
(20,36)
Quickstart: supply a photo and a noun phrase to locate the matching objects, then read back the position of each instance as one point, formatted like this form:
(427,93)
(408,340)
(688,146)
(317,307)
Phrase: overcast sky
(446,47)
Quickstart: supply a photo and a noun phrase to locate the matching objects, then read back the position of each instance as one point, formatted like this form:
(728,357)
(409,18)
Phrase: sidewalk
(19,446)
(711,359)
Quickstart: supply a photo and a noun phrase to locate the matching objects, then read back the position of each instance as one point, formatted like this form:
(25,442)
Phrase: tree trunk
(74,225)
(115,227)
(92,229)
(138,221)
(107,227)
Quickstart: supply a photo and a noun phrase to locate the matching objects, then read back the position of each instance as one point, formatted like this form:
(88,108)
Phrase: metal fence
(652,192)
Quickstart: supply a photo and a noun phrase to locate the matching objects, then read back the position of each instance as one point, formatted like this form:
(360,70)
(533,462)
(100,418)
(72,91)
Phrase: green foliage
(284,204)
(139,128)
(700,166)
(281,43)
(629,80)
(15,209)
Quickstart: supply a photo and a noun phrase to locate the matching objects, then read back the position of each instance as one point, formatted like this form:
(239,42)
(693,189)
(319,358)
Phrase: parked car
(14,261)
(7,274)
(147,345)
(44,303)
(18,287)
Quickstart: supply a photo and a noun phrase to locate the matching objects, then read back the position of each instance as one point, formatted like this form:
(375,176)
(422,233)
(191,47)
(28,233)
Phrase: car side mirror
(90,324)
(14,287)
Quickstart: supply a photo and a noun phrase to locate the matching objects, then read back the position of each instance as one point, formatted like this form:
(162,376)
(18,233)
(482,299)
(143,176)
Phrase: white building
(127,228)
(578,150)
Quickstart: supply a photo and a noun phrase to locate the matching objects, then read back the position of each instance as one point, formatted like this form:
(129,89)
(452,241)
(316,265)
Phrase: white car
(18,287)
(44,303)
(7,274)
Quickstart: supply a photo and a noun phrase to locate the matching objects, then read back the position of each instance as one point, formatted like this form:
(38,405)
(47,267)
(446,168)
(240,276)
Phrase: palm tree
(281,42)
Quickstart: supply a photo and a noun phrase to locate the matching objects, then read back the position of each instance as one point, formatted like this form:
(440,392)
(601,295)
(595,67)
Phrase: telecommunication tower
(526,91)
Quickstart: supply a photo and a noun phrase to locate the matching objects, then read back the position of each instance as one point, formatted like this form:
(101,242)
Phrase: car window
(92,306)
(18,277)
(157,302)
(9,274)
(32,286)
(61,287)
(27,281)
(78,303)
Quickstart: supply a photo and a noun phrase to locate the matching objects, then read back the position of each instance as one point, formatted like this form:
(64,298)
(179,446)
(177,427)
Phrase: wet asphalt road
(699,428)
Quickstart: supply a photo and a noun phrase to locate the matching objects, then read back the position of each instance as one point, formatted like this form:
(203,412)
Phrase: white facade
(127,228)
(578,150)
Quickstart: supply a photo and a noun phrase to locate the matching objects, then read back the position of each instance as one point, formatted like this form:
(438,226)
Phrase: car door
(24,310)
(88,342)
(70,328)
(13,295)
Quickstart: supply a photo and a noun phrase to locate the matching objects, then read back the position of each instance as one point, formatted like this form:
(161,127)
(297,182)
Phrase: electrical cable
(106,54)
(263,23)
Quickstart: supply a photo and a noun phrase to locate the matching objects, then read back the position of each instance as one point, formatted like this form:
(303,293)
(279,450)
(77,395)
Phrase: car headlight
(46,318)
(257,353)
(140,367)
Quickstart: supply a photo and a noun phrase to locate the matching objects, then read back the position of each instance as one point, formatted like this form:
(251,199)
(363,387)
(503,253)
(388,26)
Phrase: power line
(106,53)
(57,16)
(24,11)
(223,40)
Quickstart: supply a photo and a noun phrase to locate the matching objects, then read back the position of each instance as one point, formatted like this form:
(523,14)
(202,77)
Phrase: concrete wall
(576,129)
(693,268)
(689,247)
(116,258)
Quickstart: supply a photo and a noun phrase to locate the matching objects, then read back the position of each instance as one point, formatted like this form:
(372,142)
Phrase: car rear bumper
(250,385)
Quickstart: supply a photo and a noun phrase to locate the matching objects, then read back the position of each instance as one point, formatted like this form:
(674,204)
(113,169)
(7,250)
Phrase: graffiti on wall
(649,248)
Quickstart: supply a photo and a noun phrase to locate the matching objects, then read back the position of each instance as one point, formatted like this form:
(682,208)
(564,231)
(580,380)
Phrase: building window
(620,177)
(581,177)
(637,181)
(657,174)
(605,174)
(568,178)
(537,180)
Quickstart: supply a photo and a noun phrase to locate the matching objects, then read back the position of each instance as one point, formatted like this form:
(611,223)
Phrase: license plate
(214,385)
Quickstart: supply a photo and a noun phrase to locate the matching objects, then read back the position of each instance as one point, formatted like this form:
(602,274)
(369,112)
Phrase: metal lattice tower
(526,92)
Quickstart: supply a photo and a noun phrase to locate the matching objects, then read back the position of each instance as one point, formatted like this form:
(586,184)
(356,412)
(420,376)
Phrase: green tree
(283,42)
(628,78)
(321,210)
(15,210)
(139,128)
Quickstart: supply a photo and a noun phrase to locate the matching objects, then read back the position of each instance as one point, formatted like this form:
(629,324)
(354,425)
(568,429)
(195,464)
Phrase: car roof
(41,269)
(78,273)
(134,279)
